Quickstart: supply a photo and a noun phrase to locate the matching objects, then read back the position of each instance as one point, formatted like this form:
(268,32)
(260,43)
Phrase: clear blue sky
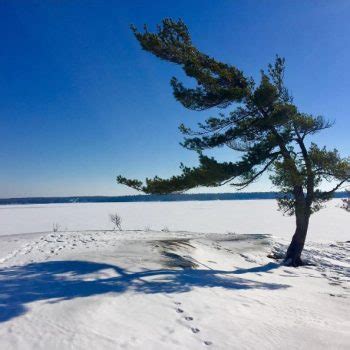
(80,102)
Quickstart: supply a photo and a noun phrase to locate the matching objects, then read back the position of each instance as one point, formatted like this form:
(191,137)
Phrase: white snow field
(182,275)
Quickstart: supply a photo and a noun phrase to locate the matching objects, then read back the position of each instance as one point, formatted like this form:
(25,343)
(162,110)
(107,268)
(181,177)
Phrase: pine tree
(264,125)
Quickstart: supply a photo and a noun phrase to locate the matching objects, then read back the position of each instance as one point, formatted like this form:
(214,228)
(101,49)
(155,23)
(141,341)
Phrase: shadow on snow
(54,281)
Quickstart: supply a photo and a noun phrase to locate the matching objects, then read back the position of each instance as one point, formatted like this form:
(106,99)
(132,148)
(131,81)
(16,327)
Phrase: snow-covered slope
(150,289)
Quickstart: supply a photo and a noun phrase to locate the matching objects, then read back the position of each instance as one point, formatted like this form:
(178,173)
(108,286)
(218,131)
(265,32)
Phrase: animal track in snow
(188,318)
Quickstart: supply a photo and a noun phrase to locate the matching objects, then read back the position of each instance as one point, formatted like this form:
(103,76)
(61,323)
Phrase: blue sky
(80,102)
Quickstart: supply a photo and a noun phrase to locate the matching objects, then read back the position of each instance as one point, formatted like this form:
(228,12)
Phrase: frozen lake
(243,217)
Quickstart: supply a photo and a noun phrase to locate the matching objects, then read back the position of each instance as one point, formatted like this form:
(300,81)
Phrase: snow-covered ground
(204,282)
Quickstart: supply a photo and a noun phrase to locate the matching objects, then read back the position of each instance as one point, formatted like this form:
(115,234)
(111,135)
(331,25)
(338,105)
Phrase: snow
(204,282)
(241,216)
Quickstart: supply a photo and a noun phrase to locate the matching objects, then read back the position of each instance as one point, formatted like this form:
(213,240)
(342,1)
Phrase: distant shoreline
(149,198)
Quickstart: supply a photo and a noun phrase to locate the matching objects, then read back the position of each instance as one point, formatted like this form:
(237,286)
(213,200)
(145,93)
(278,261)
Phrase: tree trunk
(293,256)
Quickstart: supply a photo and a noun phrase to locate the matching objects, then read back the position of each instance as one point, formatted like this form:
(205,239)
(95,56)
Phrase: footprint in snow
(194,330)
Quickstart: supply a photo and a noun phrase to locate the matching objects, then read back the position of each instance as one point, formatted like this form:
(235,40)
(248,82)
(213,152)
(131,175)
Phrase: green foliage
(264,125)
(208,173)
(218,84)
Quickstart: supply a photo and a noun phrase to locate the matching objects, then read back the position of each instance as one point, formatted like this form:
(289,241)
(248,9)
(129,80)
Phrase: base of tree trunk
(293,255)
(286,261)
(295,262)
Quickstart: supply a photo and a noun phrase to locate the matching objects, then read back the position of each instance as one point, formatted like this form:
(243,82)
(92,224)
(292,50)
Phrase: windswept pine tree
(263,124)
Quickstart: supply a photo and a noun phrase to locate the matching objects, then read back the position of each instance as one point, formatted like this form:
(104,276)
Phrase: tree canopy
(264,125)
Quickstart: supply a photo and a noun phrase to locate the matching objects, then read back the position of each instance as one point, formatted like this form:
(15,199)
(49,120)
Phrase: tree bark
(293,256)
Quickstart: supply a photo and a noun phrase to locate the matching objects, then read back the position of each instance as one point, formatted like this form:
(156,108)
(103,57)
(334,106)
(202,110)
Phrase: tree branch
(245,184)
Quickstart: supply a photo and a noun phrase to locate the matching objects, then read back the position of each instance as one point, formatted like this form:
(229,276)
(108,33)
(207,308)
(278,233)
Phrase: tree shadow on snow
(54,281)
(264,268)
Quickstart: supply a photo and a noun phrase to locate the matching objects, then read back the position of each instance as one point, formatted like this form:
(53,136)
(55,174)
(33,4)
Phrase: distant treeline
(150,198)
